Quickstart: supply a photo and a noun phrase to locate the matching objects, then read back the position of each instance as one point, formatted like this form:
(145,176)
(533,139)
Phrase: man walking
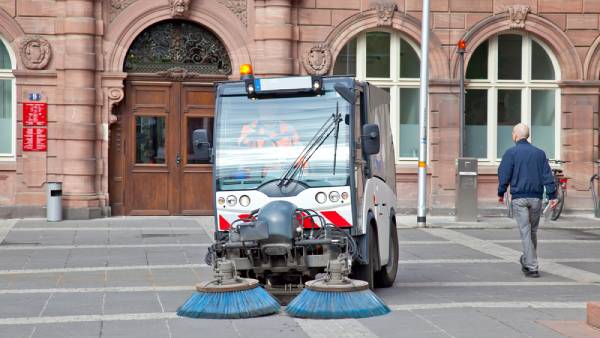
(525,168)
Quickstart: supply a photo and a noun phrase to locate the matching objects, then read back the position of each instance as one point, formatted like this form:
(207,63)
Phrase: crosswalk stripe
(509,254)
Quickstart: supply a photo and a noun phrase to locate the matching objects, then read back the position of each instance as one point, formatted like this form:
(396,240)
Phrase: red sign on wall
(35,139)
(35,114)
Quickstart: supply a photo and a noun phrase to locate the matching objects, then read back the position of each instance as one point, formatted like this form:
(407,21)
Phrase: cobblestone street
(125,277)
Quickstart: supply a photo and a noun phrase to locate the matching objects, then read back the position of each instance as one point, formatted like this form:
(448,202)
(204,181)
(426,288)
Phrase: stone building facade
(111,71)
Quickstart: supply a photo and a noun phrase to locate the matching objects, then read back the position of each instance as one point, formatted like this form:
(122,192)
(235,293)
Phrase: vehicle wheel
(387,275)
(366,272)
(560,195)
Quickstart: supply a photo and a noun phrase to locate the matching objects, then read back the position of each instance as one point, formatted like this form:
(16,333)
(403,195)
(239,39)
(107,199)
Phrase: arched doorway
(171,66)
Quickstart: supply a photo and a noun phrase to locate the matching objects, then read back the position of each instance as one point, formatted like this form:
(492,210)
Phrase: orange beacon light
(246,71)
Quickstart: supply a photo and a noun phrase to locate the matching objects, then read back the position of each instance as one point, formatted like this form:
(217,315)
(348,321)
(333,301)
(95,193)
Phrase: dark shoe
(532,274)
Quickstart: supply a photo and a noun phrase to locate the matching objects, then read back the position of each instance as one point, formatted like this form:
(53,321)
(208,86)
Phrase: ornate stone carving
(178,44)
(317,60)
(385,12)
(179,8)
(35,52)
(114,96)
(517,14)
(117,6)
(237,7)
(179,74)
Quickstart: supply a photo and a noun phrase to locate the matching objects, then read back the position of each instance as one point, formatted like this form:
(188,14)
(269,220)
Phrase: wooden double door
(154,170)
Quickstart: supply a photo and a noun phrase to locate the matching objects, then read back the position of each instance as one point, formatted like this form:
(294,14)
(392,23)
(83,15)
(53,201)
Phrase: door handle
(178,159)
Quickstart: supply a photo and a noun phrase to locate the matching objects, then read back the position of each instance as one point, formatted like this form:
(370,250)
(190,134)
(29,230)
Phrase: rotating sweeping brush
(336,296)
(228,297)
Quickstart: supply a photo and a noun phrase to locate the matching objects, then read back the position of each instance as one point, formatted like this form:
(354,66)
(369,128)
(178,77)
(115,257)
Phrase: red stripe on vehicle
(244,216)
(308,222)
(335,218)
(223,224)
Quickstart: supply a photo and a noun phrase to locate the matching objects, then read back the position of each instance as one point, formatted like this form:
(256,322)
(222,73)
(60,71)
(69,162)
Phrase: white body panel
(379,199)
(305,200)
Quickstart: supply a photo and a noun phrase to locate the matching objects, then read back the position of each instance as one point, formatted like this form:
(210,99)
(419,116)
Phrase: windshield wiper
(337,134)
(332,124)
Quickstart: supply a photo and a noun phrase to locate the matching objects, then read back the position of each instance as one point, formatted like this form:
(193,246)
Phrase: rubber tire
(560,195)
(385,277)
(366,272)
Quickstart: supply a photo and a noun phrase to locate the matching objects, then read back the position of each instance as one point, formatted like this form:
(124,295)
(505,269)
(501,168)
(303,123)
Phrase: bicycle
(561,190)
(561,182)
(594,194)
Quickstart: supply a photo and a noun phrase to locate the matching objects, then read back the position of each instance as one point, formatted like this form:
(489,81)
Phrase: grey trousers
(527,212)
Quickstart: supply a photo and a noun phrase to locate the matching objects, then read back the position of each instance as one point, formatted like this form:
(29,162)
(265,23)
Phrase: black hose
(352,246)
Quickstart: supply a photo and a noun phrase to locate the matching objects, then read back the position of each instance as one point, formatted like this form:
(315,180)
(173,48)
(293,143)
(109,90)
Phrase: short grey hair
(521,130)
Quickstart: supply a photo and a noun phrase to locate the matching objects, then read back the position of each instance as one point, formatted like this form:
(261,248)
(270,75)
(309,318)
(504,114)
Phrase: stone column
(274,33)
(444,141)
(579,142)
(76,134)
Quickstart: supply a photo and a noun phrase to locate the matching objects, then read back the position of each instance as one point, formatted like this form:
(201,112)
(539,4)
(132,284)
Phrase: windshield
(258,140)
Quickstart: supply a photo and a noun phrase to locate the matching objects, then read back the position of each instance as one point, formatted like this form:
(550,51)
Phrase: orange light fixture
(462,44)
(246,69)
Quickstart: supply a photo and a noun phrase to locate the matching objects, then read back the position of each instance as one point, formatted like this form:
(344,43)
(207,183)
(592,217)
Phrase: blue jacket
(525,168)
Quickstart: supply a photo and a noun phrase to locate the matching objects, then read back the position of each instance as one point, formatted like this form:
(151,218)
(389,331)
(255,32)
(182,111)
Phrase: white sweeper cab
(304,178)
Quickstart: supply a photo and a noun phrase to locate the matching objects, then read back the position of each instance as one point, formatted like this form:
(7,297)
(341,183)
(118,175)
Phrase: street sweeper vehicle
(305,198)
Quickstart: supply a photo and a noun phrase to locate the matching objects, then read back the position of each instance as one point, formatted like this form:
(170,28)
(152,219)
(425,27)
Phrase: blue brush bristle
(229,305)
(333,304)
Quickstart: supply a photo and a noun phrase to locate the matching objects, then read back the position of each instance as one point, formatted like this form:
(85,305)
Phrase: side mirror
(345,92)
(370,139)
(201,145)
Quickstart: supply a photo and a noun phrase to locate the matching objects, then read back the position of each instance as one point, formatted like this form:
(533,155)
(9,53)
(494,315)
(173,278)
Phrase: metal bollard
(54,203)
(466,193)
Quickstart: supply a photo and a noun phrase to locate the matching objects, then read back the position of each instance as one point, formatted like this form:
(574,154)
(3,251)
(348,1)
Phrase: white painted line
(546,262)
(115,228)
(409,243)
(506,241)
(99,290)
(509,254)
(171,288)
(334,328)
(209,228)
(103,268)
(314,328)
(9,247)
(570,260)
(494,260)
(452,261)
(508,305)
(5,227)
(550,241)
(487,284)
(86,318)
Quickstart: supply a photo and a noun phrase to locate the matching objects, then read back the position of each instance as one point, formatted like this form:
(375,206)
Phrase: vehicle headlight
(334,196)
(321,197)
(244,201)
(344,195)
(231,200)
(221,201)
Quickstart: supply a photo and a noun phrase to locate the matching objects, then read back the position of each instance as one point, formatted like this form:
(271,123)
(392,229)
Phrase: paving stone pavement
(126,276)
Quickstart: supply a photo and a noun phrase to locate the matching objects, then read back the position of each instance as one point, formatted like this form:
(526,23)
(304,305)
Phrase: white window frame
(492,84)
(7,74)
(394,82)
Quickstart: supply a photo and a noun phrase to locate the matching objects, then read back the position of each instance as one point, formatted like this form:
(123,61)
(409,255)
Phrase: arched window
(7,103)
(389,61)
(177,44)
(511,78)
